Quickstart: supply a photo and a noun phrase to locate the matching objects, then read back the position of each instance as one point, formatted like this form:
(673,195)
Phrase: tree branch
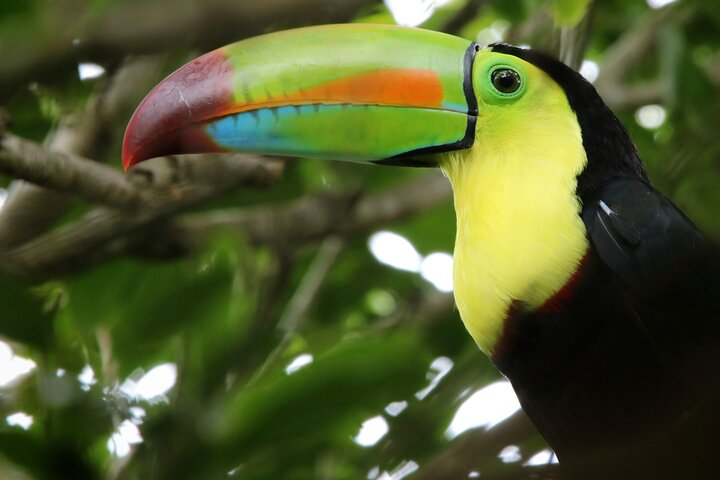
(66,172)
(315,217)
(107,233)
(632,46)
(574,40)
(623,97)
(143,27)
(31,210)
(64,249)
(476,447)
(463,16)
(627,52)
(302,299)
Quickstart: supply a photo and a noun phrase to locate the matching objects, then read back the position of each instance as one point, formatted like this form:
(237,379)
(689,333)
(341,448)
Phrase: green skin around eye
(485,66)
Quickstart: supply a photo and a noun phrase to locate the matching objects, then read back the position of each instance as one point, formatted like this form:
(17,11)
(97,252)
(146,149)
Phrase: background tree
(225,317)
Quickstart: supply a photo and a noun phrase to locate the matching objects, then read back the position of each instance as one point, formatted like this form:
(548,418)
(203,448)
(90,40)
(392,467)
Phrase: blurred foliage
(569,12)
(372,331)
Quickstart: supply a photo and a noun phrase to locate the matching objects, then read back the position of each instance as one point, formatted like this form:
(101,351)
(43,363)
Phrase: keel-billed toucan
(590,291)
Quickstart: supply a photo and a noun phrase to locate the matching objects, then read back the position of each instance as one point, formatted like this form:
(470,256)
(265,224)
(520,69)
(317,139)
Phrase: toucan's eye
(506,80)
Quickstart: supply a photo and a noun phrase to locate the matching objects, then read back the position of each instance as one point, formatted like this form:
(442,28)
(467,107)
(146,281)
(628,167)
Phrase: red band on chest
(556,303)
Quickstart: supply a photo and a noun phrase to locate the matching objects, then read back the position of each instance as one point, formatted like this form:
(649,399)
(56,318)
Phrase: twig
(538,30)
(574,40)
(475,447)
(627,52)
(463,16)
(302,299)
(632,46)
(623,97)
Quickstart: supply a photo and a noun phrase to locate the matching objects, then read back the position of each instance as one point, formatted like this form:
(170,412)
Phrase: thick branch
(66,172)
(316,217)
(105,233)
(66,248)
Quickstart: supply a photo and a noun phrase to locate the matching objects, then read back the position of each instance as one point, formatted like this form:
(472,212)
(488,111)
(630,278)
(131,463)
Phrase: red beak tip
(163,125)
(128,159)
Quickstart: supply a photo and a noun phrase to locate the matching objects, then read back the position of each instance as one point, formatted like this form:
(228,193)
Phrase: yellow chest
(519,233)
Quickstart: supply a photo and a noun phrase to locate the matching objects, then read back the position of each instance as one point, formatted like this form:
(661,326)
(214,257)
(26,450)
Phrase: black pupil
(506,80)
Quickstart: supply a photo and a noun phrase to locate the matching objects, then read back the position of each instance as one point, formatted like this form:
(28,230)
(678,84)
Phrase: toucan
(589,290)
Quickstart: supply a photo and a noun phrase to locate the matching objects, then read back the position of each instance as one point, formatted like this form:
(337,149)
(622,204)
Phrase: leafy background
(249,331)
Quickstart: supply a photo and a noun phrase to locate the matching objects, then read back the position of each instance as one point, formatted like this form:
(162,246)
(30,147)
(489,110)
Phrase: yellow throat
(519,233)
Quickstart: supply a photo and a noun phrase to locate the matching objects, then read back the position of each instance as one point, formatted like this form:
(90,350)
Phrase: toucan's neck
(519,234)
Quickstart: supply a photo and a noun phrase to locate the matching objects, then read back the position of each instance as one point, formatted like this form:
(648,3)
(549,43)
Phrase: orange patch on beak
(397,87)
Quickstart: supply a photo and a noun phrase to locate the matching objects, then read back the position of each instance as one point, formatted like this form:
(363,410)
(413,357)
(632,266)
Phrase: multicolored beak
(365,93)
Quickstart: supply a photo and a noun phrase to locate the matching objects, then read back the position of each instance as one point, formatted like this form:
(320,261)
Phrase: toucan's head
(363,93)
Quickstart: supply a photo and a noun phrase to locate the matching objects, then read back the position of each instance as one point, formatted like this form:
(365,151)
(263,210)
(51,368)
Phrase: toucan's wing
(652,247)
(668,272)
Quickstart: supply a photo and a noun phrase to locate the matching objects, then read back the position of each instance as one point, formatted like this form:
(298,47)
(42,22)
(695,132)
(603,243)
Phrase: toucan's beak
(363,93)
